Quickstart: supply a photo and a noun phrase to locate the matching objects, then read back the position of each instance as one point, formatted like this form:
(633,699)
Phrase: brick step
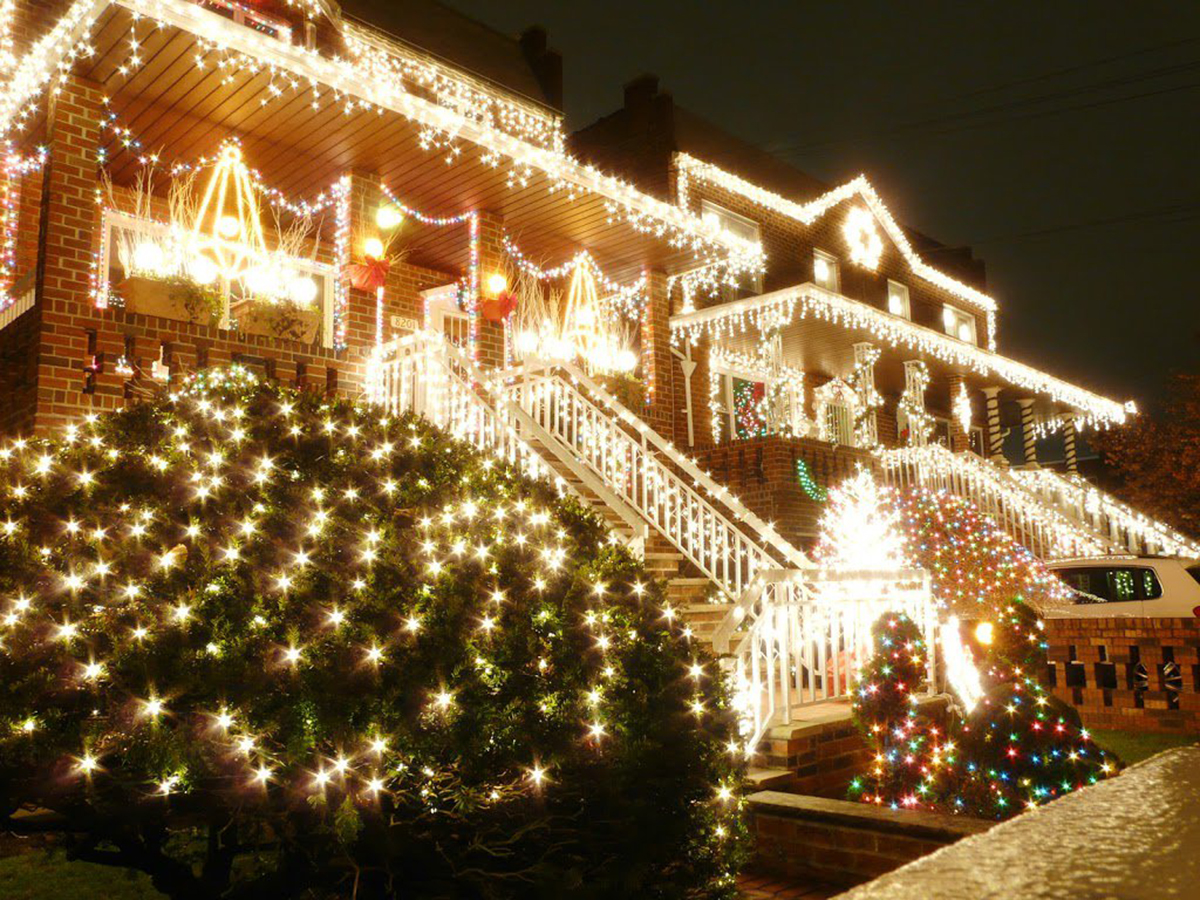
(762,778)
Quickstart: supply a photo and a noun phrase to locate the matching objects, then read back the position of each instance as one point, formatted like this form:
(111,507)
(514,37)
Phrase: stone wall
(1128,674)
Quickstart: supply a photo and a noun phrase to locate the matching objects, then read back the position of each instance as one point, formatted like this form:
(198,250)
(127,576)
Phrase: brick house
(285,186)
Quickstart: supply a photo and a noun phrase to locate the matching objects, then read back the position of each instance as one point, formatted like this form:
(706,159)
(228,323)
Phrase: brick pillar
(1070,454)
(71,327)
(361,321)
(1028,438)
(659,369)
(995,435)
(960,438)
(489,336)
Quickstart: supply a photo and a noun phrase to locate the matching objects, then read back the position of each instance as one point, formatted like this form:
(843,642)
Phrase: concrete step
(762,778)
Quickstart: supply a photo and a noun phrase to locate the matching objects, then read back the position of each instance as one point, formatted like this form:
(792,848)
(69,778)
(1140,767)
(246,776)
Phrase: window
(825,271)
(839,424)
(897,300)
(959,324)
(251,18)
(739,227)
(1098,584)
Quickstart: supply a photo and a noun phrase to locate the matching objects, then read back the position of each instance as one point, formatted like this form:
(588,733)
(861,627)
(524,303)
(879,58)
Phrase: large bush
(258,643)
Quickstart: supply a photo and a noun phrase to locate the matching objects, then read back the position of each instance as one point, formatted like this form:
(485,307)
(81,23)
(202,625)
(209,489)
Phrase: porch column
(960,415)
(995,436)
(658,369)
(489,245)
(72,331)
(1070,454)
(365,322)
(912,403)
(1028,438)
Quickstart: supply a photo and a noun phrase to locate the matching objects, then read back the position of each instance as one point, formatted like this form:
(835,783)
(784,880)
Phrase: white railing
(1126,528)
(727,542)
(809,633)
(1031,521)
(424,375)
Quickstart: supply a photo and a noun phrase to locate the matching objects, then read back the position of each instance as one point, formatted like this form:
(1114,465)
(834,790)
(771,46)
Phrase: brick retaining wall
(843,842)
(1128,674)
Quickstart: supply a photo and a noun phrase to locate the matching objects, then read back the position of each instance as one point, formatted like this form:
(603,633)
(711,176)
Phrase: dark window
(1100,584)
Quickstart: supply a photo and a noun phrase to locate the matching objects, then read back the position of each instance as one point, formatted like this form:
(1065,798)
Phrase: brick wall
(842,842)
(822,757)
(1128,674)
(761,472)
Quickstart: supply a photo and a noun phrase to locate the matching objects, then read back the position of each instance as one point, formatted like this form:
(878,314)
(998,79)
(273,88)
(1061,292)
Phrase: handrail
(650,437)
(1083,502)
(700,530)
(1028,519)
(810,633)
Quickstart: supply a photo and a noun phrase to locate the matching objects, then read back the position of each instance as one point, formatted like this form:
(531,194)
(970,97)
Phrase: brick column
(1070,454)
(995,436)
(361,322)
(489,336)
(72,329)
(658,368)
(960,439)
(1028,438)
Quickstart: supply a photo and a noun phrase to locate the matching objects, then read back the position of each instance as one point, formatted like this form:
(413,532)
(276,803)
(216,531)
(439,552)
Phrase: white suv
(1119,586)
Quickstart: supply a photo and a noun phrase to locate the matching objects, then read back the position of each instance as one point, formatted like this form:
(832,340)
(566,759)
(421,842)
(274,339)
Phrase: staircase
(1054,516)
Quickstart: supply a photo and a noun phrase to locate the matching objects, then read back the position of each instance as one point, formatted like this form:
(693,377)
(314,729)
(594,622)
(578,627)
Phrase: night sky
(1058,139)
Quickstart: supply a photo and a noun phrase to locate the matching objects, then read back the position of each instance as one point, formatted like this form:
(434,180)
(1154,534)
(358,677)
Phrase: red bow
(500,307)
(370,275)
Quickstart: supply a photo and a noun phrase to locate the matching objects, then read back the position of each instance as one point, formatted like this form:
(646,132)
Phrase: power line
(1009,106)
(1169,213)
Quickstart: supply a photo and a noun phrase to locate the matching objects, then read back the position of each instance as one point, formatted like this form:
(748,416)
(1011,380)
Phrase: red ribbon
(370,275)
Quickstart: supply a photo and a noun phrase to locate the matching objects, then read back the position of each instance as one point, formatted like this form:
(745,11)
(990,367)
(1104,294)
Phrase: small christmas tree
(860,529)
(314,650)
(1017,746)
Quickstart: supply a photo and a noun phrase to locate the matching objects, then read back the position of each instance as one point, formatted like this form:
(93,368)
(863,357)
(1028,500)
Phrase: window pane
(1151,589)
(1121,585)
(1089,585)
(750,418)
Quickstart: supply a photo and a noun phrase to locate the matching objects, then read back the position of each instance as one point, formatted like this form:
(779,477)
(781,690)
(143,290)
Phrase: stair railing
(1029,519)
(809,632)
(1088,506)
(726,541)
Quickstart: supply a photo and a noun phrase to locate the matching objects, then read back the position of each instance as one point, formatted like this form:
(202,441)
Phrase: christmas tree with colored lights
(257,643)
(1006,743)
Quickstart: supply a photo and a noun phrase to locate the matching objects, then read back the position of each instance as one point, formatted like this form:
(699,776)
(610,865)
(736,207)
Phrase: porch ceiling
(182,111)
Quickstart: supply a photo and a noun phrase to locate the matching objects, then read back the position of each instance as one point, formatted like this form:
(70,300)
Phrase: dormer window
(959,324)
(897,300)
(251,18)
(739,227)
(825,271)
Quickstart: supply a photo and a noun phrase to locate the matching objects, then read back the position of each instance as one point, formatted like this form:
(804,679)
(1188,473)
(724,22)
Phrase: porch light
(388,217)
(984,633)
(496,282)
(373,247)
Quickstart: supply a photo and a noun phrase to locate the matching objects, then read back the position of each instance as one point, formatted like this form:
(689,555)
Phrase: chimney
(545,63)
(640,91)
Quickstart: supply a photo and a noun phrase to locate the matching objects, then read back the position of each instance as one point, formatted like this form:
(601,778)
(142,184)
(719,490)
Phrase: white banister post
(1070,454)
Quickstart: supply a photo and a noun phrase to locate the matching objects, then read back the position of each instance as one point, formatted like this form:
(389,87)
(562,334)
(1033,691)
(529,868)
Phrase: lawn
(41,875)
(1134,746)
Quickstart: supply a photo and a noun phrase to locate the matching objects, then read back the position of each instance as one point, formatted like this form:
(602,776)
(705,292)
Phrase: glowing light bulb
(388,217)
(148,257)
(373,247)
(496,282)
(229,227)
(203,270)
(985,633)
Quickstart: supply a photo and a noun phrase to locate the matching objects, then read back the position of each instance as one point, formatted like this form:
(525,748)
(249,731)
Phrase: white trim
(13,311)
(807,213)
(785,306)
